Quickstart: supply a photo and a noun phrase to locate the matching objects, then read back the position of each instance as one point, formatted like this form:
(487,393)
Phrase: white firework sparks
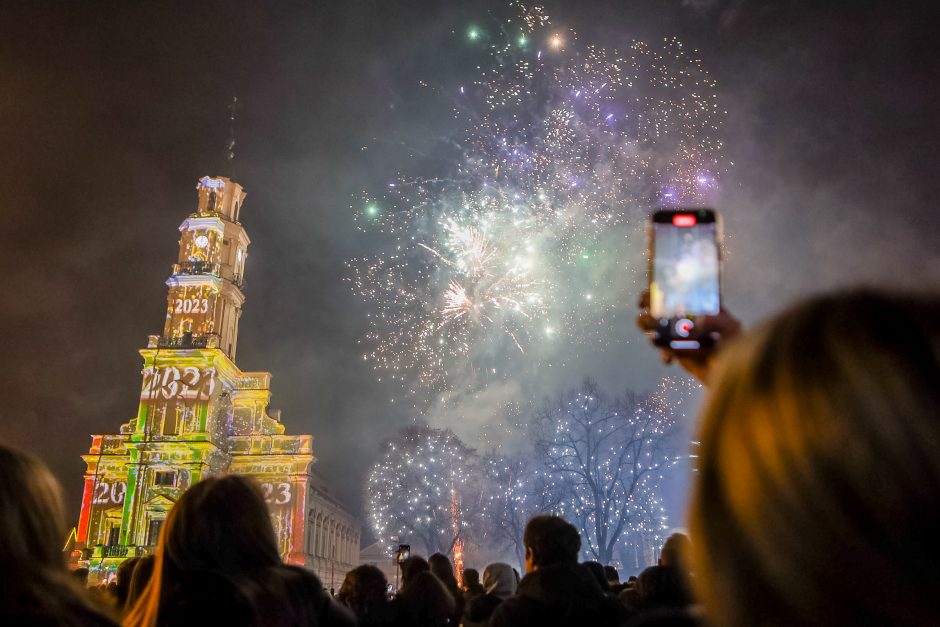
(530,243)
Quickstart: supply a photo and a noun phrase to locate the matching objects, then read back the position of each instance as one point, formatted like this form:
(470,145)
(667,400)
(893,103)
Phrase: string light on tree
(606,457)
(420,489)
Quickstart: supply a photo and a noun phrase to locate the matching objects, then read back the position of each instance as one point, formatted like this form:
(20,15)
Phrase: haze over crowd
(108,123)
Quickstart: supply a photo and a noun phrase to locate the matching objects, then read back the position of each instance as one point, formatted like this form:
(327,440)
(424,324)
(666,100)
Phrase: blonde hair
(817,500)
(218,532)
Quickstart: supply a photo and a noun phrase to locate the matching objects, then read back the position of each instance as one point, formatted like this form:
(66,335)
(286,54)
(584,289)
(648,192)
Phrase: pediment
(160,502)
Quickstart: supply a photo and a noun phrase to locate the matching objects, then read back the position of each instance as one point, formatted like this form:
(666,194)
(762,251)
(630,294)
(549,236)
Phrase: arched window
(173,418)
(318,546)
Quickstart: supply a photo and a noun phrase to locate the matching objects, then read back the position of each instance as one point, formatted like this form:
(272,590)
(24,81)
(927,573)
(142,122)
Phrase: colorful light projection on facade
(199,415)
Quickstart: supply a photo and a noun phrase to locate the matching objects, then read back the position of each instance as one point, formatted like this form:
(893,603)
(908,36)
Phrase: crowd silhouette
(816,502)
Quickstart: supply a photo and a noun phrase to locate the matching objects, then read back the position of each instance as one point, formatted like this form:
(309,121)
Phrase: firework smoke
(528,249)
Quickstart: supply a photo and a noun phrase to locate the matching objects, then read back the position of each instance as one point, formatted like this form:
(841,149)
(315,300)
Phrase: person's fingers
(645,322)
(697,367)
(720,327)
(723,323)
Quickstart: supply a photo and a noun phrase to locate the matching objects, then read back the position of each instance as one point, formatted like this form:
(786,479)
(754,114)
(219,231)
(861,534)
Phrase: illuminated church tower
(199,415)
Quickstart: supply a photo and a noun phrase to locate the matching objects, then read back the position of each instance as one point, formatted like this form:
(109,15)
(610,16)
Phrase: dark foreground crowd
(816,502)
(556,589)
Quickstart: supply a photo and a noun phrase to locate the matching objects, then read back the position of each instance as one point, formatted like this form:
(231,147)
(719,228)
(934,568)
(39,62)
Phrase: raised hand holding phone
(681,311)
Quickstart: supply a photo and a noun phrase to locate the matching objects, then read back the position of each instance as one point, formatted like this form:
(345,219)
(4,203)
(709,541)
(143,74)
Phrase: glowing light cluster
(515,488)
(596,460)
(530,240)
(608,456)
(415,491)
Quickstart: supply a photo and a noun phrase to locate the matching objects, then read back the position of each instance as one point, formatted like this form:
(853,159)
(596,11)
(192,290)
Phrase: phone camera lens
(683,327)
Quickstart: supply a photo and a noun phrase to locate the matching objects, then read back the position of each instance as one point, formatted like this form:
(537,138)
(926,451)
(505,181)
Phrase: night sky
(110,112)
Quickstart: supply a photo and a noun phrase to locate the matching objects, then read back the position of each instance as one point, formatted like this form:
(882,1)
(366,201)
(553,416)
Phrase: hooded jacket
(499,582)
(559,594)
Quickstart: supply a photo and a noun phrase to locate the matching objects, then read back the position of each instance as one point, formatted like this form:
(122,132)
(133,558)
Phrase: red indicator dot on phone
(684,327)
(683,219)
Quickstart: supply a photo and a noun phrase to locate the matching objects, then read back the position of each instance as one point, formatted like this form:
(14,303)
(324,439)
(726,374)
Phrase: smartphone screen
(404,552)
(684,264)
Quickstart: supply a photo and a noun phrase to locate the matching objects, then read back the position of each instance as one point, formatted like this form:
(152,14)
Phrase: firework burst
(530,243)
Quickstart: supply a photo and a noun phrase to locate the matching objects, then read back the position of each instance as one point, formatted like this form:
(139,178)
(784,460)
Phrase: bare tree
(413,490)
(607,457)
(515,488)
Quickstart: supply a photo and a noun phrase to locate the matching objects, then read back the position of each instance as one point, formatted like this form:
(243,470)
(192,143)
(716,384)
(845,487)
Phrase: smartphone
(684,275)
(403,553)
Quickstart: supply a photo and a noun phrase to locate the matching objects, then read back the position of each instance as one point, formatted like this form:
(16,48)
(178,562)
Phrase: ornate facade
(332,538)
(199,415)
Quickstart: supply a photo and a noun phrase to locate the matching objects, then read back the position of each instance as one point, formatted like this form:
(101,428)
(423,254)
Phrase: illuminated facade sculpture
(199,415)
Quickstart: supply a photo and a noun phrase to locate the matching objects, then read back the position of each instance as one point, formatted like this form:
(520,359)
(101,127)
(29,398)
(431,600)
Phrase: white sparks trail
(528,246)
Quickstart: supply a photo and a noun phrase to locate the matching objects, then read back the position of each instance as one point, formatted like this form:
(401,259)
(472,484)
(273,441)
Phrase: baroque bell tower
(198,414)
(206,292)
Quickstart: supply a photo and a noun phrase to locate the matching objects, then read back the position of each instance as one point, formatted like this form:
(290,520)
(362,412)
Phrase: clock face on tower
(202,244)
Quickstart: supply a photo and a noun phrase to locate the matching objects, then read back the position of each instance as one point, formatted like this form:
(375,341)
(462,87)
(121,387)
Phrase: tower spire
(199,415)
(230,144)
